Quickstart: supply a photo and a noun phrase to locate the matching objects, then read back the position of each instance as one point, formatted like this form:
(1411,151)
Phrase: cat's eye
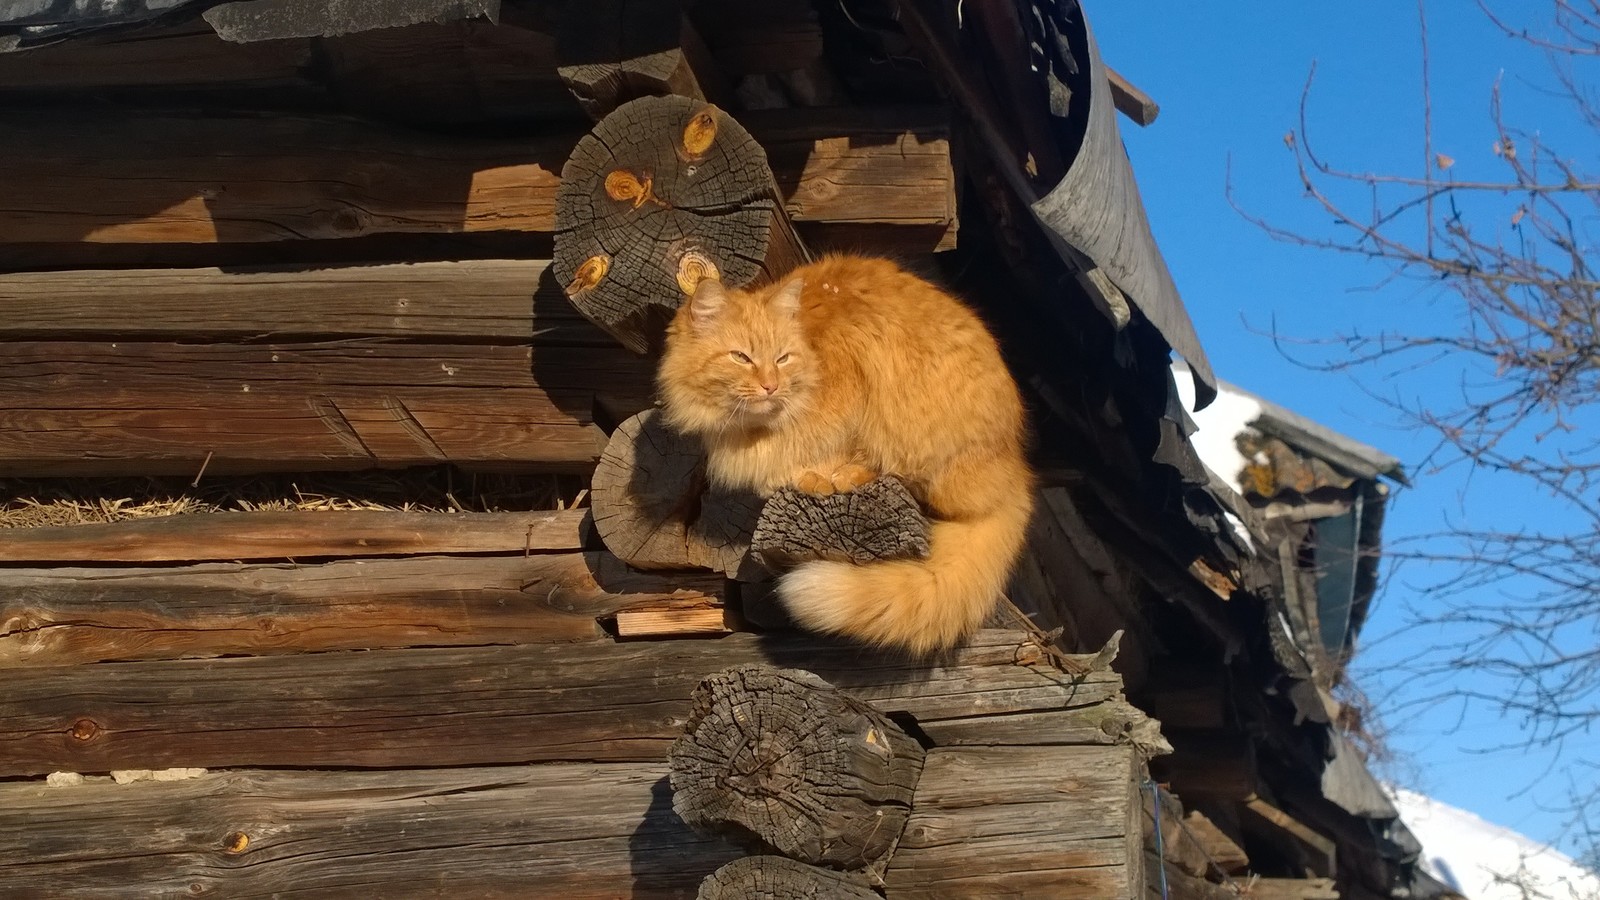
(740,357)
(782,359)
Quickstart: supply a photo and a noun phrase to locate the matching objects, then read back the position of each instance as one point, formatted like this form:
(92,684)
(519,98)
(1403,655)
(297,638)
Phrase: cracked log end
(779,756)
(657,180)
(653,509)
(779,878)
(879,520)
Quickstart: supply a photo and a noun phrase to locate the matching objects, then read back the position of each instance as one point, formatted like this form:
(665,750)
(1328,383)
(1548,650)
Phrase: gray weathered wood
(572,831)
(878,520)
(663,192)
(653,508)
(781,878)
(295,535)
(1021,821)
(779,755)
(470,706)
(65,615)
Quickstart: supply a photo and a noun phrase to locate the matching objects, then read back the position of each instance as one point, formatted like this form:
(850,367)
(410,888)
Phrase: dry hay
(29,502)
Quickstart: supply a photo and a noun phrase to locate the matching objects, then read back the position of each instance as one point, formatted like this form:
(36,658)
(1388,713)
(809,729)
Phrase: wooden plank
(469,706)
(1130,101)
(67,615)
(1297,840)
(571,831)
(493,300)
(1294,889)
(294,535)
(119,407)
(218,179)
(1019,821)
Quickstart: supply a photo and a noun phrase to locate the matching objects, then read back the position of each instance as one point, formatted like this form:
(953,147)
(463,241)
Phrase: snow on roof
(1480,859)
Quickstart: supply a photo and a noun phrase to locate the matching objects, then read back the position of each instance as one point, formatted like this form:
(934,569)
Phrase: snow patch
(1467,853)
(1218,426)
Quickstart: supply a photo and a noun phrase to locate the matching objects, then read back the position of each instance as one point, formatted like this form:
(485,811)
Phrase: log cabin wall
(294,279)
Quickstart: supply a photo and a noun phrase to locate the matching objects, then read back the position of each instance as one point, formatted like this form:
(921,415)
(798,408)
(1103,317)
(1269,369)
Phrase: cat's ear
(707,301)
(786,300)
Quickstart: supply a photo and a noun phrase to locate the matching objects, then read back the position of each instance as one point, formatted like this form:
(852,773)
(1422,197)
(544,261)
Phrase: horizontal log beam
(120,407)
(470,706)
(294,535)
(68,615)
(192,179)
(506,301)
(578,831)
(1020,821)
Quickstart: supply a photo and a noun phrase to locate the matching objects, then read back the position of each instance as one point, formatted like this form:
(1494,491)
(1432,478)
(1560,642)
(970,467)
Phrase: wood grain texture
(65,615)
(489,301)
(579,831)
(878,520)
(190,178)
(1020,822)
(294,535)
(781,878)
(469,706)
(653,508)
(809,771)
(121,407)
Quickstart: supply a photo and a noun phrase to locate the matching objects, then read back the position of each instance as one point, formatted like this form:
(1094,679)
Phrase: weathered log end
(663,191)
(779,756)
(780,878)
(612,51)
(653,509)
(879,520)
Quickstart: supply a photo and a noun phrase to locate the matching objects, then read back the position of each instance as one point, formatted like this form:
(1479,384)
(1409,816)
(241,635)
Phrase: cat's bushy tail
(916,605)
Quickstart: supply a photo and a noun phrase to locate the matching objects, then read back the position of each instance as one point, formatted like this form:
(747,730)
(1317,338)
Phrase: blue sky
(1229,78)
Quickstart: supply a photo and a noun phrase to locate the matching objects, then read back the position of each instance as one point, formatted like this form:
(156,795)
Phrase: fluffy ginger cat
(848,368)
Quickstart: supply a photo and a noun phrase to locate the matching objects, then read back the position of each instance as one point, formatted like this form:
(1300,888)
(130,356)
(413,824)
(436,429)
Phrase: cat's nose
(771,387)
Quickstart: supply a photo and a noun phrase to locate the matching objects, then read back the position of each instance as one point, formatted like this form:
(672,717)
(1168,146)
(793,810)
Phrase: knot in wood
(778,758)
(236,842)
(84,730)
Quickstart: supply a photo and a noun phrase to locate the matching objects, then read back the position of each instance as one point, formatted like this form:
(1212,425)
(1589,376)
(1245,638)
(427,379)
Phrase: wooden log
(879,520)
(294,535)
(780,757)
(1222,850)
(1294,889)
(780,878)
(451,73)
(1130,101)
(472,705)
(1180,885)
(665,191)
(509,301)
(653,509)
(581,831)
(1021,822)
(690,617)
(613,51)
(1297,841)
(187,60)
(760,39)
(119,407)
(67,615)
(186,178)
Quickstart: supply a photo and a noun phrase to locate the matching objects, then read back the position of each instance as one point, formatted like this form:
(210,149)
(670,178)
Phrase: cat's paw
(850,476)
(814,482)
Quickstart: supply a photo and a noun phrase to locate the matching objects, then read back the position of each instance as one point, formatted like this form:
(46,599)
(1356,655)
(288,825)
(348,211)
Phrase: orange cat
(848,368)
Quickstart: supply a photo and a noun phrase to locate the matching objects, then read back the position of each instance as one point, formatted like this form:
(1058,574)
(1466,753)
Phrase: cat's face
(737,358)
